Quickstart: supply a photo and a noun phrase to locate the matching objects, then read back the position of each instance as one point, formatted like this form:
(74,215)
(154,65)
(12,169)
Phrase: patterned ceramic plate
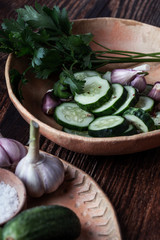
(81,194)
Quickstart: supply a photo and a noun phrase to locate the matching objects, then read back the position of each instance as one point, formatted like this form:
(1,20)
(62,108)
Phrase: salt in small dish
(9,178)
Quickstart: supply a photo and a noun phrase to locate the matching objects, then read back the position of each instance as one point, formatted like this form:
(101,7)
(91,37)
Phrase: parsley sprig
(44,36)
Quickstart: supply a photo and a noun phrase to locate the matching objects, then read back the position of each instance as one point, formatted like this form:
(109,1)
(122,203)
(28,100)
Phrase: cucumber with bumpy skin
(140,119)
(96,92)
(71,116)
(107,126)
(45,223)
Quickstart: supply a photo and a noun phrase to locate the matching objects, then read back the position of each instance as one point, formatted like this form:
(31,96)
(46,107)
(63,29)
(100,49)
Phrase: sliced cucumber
(145,103)
(117,99)
(107,126)
(140,119)
(131,100)
(71,116)
(107,76)
(82,75)
(75,132)
(130,131)
(156,119)
(96,92)
(147,90)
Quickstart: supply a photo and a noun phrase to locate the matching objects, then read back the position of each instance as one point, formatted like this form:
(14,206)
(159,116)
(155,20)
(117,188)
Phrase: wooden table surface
(132,182)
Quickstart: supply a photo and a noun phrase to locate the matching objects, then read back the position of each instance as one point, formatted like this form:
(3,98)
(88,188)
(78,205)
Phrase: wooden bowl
(117,34)
(10,178)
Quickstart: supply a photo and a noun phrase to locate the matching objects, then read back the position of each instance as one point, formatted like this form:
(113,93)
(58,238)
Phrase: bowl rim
(24,194)
(31,116)
(87,140)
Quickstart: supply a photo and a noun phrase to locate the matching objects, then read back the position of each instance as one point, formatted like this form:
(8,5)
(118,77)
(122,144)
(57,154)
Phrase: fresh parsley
(44,36)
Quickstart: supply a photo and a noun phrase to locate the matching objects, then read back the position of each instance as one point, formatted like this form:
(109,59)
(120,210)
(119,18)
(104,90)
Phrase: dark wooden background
(132,182)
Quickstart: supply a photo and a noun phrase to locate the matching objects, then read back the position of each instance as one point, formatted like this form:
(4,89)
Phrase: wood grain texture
(132,181)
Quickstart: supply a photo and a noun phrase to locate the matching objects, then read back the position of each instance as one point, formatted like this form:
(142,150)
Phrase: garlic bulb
(40,172)
(11,151)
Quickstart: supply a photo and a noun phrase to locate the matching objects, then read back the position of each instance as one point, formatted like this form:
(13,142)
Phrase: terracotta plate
(117,34)
(81,194)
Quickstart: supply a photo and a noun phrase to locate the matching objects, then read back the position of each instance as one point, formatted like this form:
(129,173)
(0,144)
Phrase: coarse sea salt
(8,201)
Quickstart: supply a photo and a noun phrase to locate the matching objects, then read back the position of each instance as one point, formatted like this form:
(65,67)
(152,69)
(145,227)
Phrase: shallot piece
(11,151)
(143,67)
(123,76)
(139,82)
(49,102)
(155,92)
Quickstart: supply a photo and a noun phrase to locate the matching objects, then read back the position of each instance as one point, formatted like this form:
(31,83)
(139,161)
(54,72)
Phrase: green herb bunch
(44,36)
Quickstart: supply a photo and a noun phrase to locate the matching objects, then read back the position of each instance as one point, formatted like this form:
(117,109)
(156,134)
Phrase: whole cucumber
(43,223)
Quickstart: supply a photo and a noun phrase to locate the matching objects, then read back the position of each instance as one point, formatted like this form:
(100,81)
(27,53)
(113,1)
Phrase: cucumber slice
(145,103)
(140,119)
(107,76)
(146,90)
(131,100)
(71,116)
(96,92)
(156,119)
(117,99)
(75,132)
(107,126)
(130,131)
(82,75)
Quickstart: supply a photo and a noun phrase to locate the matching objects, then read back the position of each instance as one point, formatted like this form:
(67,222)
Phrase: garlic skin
(40,172)
(11,151)
(45,176)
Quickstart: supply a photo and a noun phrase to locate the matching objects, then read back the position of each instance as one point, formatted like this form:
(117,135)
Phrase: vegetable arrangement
(45,37)
(109,108)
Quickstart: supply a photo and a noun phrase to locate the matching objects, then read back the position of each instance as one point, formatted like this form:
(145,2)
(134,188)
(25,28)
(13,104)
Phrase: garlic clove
(51,173)
(139,83)
(155,92)
(4,159)
(123,76)
(143,67)
(12,149)
(49,102)
(22,149)
(29,175)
